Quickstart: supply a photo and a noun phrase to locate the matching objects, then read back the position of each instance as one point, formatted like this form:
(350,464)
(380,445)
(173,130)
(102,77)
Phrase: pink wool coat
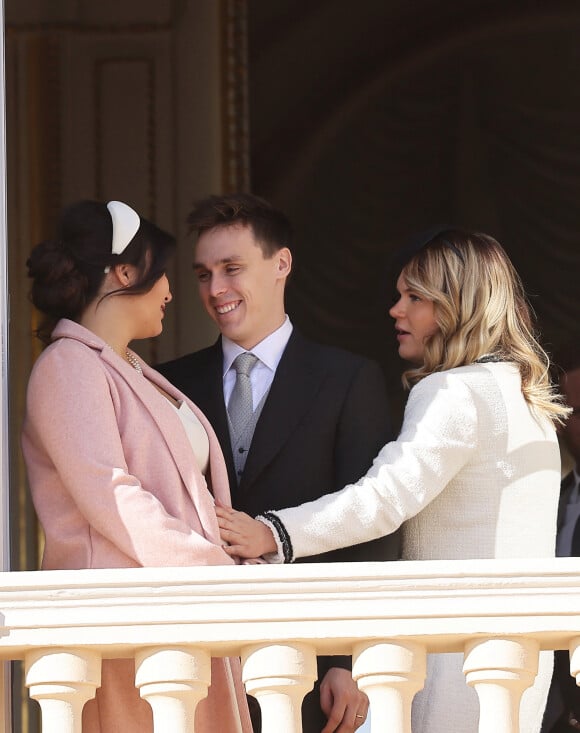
(115,485)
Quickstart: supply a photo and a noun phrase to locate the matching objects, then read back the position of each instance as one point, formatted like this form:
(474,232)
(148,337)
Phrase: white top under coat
(196,435)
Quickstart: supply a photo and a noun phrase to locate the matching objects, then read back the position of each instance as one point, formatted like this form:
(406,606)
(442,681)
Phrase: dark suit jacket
(569,694)
(324,420)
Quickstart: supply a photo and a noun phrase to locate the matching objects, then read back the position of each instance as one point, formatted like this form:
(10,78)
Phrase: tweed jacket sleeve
(438,436)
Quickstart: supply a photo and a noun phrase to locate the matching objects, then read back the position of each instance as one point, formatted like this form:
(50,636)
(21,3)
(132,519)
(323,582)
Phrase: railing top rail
(464,571)
(441,603)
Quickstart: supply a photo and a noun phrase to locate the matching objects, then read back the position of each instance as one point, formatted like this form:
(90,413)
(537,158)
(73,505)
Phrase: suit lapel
(566,487)
(208,393)
(296,383)
(208,387)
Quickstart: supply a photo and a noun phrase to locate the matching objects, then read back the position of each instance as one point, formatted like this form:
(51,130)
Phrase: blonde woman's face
(414,322)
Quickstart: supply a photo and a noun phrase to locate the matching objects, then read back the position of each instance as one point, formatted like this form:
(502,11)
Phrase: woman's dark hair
(67,272)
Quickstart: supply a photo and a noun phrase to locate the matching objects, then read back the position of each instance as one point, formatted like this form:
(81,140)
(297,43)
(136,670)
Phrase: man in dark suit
(564,699)
(320,414)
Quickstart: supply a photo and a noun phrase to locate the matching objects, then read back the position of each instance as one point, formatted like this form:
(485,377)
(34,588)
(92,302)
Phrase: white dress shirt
(269,352)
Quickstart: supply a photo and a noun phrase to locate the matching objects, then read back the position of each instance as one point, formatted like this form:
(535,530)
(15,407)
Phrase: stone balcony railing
(388,615)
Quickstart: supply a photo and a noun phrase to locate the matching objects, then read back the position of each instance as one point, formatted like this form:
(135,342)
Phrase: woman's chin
(412,359)
(148,333)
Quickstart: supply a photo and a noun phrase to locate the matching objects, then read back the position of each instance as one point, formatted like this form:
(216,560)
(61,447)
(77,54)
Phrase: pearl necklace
(133,361)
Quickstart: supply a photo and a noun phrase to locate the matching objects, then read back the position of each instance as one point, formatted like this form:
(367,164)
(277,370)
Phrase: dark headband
(451,246)
(421,241)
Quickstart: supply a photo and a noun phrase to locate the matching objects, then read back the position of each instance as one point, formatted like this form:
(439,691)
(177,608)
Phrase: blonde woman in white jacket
(475,471)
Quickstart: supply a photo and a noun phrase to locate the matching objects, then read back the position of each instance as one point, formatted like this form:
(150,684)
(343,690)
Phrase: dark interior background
(372,121)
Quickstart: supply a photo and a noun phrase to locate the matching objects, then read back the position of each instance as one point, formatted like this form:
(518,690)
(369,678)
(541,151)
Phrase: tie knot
(244,363)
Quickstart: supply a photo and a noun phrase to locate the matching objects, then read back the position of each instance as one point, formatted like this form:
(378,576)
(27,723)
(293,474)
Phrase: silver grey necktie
(240,406)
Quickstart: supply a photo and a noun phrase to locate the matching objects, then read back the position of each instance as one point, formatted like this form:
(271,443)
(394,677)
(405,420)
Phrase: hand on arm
(246,537)
(342,701)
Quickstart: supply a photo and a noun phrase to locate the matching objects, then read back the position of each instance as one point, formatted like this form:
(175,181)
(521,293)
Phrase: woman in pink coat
(123,468)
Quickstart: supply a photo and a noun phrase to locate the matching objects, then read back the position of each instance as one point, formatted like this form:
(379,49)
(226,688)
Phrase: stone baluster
(574,648)
(173,681)
(62,680)
(500,670)
(390,673)
(279,675)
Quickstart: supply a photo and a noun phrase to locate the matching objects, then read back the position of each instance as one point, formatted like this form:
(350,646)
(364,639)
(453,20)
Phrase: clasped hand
(245,537)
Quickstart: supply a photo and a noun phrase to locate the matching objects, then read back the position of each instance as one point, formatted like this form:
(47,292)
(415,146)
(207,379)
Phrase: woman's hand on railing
(246,537)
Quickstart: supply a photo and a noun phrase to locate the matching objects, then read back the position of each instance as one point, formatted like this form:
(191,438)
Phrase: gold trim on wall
(235,104)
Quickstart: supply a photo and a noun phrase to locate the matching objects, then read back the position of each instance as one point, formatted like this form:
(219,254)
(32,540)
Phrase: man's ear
(284,262)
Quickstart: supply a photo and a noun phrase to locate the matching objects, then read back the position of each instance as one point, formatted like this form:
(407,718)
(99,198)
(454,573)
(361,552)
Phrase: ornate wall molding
(236,142)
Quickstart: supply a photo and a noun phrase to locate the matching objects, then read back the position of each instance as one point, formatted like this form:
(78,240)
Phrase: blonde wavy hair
(481,309)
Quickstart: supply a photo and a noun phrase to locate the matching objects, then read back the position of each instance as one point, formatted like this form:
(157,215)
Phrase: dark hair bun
(58,287)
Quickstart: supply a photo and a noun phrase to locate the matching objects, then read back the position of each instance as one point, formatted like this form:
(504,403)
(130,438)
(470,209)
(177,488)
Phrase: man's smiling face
(241,289)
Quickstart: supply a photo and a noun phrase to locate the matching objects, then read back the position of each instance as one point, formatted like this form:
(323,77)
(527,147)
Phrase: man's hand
(246,537)
(345,706)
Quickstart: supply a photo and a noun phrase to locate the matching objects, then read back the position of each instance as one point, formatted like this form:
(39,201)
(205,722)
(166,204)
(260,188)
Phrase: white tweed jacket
(473,474)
